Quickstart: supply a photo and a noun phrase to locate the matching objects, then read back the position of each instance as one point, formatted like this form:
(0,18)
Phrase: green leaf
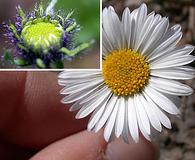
(40,63)
(57,65)
(76,50)
(8,56)
(20,62)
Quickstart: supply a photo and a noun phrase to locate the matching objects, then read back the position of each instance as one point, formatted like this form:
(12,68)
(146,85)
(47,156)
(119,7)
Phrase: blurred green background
(87,13)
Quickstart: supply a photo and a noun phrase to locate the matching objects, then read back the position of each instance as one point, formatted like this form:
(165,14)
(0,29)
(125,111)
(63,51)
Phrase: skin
(35,125)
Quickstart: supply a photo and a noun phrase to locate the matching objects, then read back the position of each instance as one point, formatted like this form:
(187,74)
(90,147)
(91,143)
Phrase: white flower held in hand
(137,84)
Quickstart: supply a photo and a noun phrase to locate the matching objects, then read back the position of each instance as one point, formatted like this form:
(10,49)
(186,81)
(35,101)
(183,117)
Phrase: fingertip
(142,150)
(84,145)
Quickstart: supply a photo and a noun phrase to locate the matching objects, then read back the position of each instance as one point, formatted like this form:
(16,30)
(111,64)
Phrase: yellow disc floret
(125,72)
(42,34)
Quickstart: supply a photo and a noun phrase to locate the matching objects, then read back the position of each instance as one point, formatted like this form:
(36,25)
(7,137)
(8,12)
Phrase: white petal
(141,123)
(157,34)
(126,21)
(113,28)
(175,52)
(111,121)
(68,82)
(180,73)
(173,62)
(78,74)
(146,29)
(110,106)
(120,117)
(161,116)
(140,110)
(154,120)
(125,133)
(162,101)
(90,107)
(81,94)
(107,45)
(175,99)
(166,44)
(143,131)
(141,16)
(94,96)
(133,21)
(132,120)
(170,87)
(173,30)
(70,89)
(96,115)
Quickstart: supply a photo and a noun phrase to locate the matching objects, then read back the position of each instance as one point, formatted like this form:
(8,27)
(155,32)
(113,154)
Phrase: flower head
(43,38)
(138,82)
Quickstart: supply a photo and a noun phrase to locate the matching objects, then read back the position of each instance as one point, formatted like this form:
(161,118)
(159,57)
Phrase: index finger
(32,115)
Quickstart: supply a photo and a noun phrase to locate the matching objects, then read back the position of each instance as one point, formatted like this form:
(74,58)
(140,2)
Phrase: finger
(10,152)
(84,145)
(143,150)
(12,84)
(32,112)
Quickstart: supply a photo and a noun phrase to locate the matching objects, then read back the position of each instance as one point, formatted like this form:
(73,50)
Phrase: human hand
(35,125)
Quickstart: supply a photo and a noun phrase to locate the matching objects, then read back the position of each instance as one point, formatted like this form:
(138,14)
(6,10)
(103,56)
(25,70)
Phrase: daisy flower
(43,38)
(138,83)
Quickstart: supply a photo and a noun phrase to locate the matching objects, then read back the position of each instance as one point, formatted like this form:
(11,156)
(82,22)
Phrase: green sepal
(20,62)
(37,14)
(71,27)
(47,18)
(30,19)
(37,20)
(57,65)
(76,50)
(8,56)
(14,30)
(41,10)
(23,22)
(62,19)
(69,15)
(22,47)
(40,63)
(54,21)
(21,13)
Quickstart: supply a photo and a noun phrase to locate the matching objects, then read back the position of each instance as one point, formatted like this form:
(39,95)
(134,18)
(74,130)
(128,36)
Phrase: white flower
(137,84)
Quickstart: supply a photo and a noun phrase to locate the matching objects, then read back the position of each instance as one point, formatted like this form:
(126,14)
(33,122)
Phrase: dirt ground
(179,142)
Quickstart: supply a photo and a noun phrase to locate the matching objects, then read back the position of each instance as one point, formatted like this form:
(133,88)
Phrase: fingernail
(118,150)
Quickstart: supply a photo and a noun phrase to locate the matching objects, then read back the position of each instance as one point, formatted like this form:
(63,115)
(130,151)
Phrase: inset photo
(50,34)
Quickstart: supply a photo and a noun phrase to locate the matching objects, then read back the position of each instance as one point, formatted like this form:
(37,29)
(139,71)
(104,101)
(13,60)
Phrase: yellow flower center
(125,72)
(42,34)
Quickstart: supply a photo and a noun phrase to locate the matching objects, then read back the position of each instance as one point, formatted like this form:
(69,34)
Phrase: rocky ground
(178,143)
